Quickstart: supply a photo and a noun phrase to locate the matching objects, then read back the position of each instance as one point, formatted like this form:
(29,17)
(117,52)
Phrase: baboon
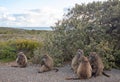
(84,70)
(21,60)
(96,64)
(75,60)
(46,64)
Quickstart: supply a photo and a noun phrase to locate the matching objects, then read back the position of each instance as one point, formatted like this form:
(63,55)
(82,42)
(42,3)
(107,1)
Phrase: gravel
(29,74)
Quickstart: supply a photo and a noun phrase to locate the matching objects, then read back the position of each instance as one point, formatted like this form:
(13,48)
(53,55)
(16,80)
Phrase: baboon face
(20,58)
(79,55)
(79,52)
(92,56)
(44,59)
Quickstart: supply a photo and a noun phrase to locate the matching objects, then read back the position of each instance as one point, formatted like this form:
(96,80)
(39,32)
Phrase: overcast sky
(34,13)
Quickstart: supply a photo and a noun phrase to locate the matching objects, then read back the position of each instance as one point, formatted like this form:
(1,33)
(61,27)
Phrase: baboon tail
(105,74)
(56,69)
(14,66)
(70,78)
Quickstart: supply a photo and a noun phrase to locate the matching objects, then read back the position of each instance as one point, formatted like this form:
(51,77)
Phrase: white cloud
(3,9)
(46,15)
(36,17)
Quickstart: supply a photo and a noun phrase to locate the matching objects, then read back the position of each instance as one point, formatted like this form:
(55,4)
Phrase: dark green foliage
(91,27)
(6,51)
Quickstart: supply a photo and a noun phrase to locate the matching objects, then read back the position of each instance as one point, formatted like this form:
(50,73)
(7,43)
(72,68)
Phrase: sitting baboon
(47,64)
(75,60)
(21,60)
(84,70)
(97,64)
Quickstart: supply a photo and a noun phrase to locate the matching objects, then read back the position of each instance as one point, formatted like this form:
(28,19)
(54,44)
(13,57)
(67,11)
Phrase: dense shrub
(9,49)
(91,27)
(27,46)
(37,56)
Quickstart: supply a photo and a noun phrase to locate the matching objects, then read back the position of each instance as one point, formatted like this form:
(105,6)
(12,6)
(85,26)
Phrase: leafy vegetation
(91,27)
(6,51)
(14,40)
(9,49)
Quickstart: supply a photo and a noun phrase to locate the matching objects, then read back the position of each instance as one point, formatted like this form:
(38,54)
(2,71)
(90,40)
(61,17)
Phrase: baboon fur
(21,59)
(75,60)
(97,64)
(47,64)
(84,70)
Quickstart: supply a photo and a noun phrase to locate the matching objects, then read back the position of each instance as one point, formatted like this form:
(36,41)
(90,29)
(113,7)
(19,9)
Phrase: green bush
(9,49)
(116,54)
(91,27)
(37,56)
(27,46)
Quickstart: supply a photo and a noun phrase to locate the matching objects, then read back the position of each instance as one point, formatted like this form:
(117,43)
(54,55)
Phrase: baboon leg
(75,69)
(47,66)
(98,72)
(43,69)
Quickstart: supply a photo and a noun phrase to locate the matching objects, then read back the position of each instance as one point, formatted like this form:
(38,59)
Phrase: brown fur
(21,60)
(47,64)
(75,60)
(84,70)
(97,64)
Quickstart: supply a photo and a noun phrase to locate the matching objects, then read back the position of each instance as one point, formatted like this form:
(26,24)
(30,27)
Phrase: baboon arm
(46,66)
(25,58)
(42,63)
(17,60)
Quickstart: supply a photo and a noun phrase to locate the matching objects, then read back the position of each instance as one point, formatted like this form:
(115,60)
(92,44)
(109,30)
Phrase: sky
(34,13)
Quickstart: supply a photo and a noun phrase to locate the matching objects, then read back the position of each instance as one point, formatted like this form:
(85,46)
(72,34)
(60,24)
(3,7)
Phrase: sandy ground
(29,74)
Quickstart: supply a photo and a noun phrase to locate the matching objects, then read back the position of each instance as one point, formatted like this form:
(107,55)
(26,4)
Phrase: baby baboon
(97,64)
(84,70)
(47,64)
(75,60)
(21,60)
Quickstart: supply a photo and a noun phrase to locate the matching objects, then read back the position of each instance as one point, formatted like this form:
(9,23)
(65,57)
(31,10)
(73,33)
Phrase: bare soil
(30,74)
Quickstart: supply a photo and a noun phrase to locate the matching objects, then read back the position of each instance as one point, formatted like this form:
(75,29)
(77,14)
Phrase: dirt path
(29,74)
